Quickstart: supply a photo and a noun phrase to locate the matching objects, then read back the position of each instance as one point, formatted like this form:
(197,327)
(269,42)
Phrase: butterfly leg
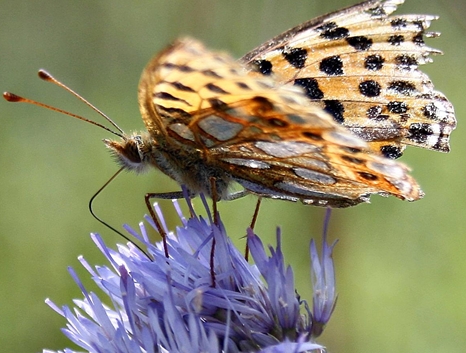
(214,208)
(238,195)
(158,224)
(253,223)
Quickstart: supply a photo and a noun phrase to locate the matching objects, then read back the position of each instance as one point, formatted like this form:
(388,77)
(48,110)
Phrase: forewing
(361,65)
(186,86)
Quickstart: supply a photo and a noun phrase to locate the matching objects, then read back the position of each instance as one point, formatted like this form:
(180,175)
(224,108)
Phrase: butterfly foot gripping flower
(169,304)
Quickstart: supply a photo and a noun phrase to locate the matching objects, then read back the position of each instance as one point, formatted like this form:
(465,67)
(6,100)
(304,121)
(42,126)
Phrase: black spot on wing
(375,113)
(217,104)
(210,73)
(167,96)
(182,68)
(313,136)
(263,66)
(419,24)
(262,104)
(296,57)
(374,62)
(352,160)
(418,39)
(368,176)
(378,11)
(172,113)
(398,23)
(369,88)
(392,152)
(397,107)
(336,109)
(418,132)
(311,87)
(216,89)
(182,87)
(396,39)
(360,43)
(403,88)
(332,66)
(430,111)
(242,85)
(332,32)
(406,62)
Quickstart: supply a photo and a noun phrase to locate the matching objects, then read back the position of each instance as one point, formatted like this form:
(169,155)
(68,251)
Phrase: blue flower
(160,304)
(323,279)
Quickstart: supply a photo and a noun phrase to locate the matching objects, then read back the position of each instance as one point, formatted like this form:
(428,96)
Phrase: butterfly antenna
(91,202)
(44,75)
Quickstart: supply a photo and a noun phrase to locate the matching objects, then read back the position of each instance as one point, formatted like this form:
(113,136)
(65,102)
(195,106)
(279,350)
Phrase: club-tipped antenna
(44,75)
(91,202)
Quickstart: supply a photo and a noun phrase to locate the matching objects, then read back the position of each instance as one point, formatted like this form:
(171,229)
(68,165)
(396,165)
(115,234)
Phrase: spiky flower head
(183,304)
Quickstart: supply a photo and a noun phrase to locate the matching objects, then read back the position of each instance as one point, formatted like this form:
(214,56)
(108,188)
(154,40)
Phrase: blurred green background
(401,267)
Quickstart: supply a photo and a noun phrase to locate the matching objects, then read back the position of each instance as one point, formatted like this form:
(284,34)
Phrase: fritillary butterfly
(311,115)
(272,121)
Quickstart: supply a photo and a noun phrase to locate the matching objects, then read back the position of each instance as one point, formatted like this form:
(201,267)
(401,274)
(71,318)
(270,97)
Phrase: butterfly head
(132,152)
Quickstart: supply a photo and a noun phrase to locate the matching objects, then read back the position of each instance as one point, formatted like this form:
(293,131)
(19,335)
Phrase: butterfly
(313,115)
(316,114)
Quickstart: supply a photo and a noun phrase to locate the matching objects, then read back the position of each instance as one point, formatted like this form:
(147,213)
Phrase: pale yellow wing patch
(361,65)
